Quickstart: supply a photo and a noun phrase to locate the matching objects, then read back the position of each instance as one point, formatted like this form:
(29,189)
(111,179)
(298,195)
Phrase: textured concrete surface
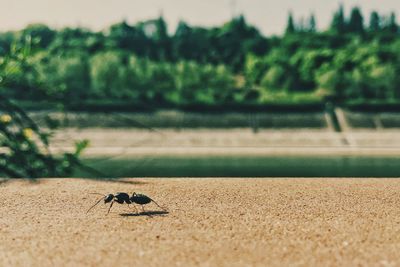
(211,222)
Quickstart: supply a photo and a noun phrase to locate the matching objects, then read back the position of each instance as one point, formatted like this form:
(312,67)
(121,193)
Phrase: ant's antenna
(95,204)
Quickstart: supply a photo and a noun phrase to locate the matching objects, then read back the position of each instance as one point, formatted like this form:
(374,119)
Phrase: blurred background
(199,89)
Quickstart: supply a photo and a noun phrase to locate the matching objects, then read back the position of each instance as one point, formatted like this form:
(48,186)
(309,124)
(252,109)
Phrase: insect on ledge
(124,198)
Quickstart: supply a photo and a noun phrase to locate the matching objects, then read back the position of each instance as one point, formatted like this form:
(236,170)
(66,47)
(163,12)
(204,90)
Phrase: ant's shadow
(146,213)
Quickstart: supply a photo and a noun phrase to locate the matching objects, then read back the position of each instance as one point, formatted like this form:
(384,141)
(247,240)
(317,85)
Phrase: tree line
(231,64)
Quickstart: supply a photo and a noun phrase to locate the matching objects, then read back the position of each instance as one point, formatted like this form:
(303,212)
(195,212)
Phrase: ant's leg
(112,203)
(129,205)
(159,206)
(144,212)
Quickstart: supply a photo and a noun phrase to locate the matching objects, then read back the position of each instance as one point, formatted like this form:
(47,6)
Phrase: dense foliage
(232,64)
(24,147)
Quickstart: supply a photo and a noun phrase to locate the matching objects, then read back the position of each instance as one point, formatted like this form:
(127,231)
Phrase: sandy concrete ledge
(211,222)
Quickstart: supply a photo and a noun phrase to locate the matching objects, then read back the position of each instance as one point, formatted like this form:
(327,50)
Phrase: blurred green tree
(375,22)
(290,27)
(339,23)
(40,34)
(392,25)
(356,22)
(312,24)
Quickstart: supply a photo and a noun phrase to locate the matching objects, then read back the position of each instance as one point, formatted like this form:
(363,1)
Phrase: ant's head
(108,198)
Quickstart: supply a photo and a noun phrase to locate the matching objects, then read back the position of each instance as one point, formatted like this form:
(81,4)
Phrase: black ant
(122,198)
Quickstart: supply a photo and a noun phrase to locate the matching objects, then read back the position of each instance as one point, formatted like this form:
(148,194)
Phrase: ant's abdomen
(141,199)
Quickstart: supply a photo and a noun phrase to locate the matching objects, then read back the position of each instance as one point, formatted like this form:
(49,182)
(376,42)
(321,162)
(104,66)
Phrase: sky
(269,16)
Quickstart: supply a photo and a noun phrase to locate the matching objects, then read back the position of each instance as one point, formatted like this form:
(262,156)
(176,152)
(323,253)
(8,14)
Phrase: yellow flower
(28,133)
(5,118)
